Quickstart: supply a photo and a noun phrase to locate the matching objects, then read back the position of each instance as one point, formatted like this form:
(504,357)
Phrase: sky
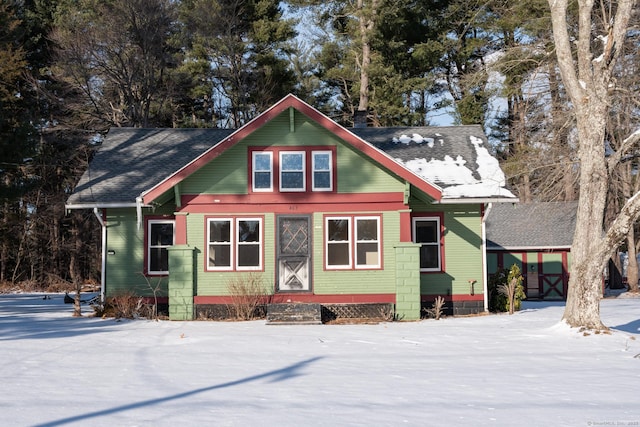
(528,369)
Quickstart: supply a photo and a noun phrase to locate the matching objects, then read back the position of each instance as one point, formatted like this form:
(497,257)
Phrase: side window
(292,171)
(234,244)
(249,244)
(338,241)
(322,174)
(219,244)
(367,242)
(352,242)
(262,164)
(426,231)
(160,236)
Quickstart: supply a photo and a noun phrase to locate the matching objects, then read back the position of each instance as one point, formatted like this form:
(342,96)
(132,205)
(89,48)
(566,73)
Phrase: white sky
(495,370)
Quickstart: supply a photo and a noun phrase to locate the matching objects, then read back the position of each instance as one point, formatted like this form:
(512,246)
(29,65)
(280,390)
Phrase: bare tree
(588,72)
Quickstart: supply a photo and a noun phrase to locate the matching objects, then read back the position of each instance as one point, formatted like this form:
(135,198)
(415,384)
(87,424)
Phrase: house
(316,212)
(537,237)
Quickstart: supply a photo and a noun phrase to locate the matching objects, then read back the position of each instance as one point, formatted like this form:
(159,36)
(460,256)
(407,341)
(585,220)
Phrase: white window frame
(255,170)
(151,246)
(314,170)
(229,244)
(328,242)
(238,244)
(437,243)
(303,171)
(234,244)
(359,241)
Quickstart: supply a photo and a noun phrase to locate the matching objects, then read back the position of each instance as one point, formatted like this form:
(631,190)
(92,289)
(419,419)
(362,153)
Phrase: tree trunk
(366,21)
(632,266)
(74,264)
(589,85)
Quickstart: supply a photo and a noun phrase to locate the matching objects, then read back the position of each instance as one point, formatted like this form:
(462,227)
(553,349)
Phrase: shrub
(248,295)
(125,305)
(436,309)
(505,290)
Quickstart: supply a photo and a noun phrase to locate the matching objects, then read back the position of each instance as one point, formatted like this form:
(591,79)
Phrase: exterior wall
(461,283)
(125,253)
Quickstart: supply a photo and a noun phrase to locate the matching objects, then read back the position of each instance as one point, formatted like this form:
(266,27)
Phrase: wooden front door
(294,253)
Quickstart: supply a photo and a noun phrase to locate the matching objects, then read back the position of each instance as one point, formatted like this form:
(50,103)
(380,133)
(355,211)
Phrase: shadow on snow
(277,375)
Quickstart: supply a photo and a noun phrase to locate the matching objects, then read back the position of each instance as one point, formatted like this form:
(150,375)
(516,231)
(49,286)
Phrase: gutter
(485,269)
(475,200)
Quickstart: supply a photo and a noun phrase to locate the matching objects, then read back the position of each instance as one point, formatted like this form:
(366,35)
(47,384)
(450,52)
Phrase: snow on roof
(458,178)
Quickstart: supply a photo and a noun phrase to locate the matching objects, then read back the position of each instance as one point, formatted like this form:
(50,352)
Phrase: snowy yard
(499,370)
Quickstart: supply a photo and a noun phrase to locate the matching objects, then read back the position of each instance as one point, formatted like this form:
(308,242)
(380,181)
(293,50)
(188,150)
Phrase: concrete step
(294,314)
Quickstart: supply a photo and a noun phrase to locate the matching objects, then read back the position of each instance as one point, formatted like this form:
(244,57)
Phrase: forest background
(72,69)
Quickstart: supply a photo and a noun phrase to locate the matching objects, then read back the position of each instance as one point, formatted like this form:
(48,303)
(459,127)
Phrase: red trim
(290,203)
(291,101)
(308,154)
(455,298)
(352,239)
(405,227)
(418,215)
(180,229)
(291,297)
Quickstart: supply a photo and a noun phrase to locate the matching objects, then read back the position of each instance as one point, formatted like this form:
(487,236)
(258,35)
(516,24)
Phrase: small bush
(436,309)
(126,305)
(248,296)
(505,290)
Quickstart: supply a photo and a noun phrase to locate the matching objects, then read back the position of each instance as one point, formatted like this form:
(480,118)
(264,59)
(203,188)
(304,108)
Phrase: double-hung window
(426,231)
(292,171)
(262,164)
(160,236)
(234,244)
(352,242)
(322,167)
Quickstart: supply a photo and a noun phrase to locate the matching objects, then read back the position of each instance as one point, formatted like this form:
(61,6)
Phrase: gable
(231,170)
(292,105)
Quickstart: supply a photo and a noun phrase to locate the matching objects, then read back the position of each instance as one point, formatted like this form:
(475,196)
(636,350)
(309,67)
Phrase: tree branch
(628,143)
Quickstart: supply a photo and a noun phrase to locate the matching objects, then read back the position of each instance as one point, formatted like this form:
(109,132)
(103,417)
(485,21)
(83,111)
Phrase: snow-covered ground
(497,370)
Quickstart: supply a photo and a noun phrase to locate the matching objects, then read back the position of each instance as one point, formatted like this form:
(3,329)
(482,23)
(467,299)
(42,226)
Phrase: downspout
(103,265)
(483,227)
(139,212)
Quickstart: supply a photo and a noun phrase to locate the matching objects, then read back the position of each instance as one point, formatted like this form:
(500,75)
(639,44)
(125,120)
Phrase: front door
(294,253)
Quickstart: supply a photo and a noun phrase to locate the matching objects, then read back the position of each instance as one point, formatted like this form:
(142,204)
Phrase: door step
(294,314)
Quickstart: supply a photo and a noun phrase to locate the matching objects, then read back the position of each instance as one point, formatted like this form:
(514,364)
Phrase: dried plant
(436,309)
(248,294)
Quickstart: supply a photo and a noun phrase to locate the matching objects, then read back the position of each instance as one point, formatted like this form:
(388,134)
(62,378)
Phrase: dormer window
(292,169)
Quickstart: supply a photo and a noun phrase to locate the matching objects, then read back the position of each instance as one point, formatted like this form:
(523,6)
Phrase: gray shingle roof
(446,141)
(131,161)
(531,225)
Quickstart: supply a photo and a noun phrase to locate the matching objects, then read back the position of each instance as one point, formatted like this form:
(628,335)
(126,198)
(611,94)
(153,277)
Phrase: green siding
(552,263)
(228,174)
(357,281)
(126,266)
(462,251)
